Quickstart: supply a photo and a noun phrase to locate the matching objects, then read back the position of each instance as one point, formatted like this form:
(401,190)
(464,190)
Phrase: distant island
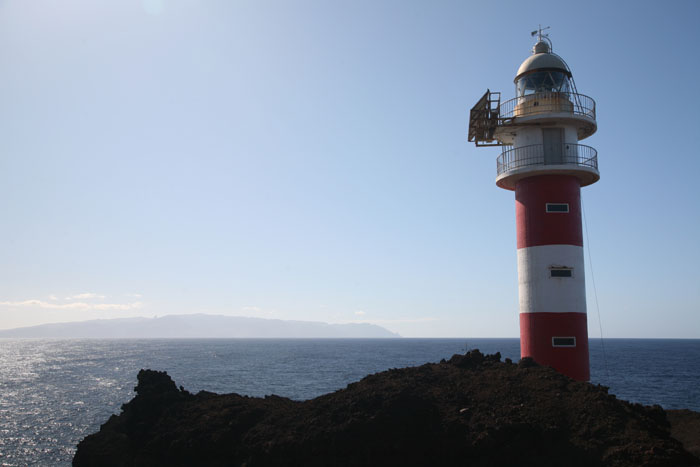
(200,326)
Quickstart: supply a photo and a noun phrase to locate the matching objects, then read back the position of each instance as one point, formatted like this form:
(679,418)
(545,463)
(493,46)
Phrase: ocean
(54,392)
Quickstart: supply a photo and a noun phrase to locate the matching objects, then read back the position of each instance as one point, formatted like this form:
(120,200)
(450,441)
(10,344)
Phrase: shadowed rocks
(470,410)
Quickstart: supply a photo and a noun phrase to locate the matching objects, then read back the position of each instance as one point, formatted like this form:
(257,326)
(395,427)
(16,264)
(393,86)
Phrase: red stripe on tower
(535,225)
(571,357)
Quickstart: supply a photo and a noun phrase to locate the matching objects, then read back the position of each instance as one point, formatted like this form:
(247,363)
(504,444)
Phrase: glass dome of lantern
(542,72)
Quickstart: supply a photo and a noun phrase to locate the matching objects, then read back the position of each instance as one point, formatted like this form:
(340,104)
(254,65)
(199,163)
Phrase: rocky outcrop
(685,427)
(471,410)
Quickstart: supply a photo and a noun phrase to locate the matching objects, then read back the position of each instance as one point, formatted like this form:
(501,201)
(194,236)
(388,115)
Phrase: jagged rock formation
(471,410)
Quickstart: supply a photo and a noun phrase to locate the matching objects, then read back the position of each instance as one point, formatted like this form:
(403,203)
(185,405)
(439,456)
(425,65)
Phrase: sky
(309,160)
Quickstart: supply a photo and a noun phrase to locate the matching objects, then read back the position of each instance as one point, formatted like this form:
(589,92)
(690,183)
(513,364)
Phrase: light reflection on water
(54,392)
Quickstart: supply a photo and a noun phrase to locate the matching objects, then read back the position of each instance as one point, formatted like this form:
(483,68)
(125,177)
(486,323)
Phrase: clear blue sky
(308,160)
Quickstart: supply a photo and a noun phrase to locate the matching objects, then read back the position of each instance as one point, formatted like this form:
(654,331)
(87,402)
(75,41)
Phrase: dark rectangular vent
(563,342)
(561,272)
(557,207)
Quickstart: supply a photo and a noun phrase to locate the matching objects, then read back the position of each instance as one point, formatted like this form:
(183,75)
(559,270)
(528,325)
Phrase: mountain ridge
(199,325)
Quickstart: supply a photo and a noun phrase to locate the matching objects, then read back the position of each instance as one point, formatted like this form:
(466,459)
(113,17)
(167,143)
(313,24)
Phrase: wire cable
(595,292)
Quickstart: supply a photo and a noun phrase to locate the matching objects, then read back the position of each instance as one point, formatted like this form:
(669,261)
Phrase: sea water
(55,392)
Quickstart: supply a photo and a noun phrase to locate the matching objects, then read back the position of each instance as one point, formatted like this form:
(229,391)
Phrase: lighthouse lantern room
(543,162)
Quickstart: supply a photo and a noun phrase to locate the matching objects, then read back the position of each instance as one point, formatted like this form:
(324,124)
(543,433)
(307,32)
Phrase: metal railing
(533,155)
(548,102)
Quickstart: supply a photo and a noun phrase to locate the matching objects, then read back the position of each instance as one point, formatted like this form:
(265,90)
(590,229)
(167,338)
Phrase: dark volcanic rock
(685,427)
(471,410)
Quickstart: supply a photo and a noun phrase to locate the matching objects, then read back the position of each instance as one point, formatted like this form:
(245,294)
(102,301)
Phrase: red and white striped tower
(546,166)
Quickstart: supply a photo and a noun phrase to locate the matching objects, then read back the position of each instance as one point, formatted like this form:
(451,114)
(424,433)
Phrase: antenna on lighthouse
(539,32)
(541,36)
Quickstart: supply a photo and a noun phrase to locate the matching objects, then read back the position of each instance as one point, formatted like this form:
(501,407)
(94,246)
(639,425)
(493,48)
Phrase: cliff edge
(471,410)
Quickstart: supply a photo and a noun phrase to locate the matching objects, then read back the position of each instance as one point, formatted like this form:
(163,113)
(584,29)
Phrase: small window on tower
(557,207)
(561,272)
(563,342)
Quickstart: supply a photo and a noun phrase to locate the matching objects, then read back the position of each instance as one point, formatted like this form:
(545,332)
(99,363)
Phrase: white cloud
(134,295)
(74,305)
(85,296)
(360,313)
(251,309)
(53,297)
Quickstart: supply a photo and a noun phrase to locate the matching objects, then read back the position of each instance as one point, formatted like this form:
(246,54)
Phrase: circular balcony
(538,159)
(547,107)
(548,102)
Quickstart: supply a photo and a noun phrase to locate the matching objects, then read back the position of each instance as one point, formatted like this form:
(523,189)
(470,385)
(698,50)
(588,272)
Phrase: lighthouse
(545,164)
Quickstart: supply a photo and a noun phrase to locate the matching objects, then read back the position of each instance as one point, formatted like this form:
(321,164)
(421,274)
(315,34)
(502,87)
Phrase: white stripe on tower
(539,292)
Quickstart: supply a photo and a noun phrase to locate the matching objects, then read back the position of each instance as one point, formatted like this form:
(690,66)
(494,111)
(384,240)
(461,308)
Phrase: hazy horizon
(396,335)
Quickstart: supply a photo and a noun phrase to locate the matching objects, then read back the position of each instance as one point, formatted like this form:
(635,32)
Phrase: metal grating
(483,120)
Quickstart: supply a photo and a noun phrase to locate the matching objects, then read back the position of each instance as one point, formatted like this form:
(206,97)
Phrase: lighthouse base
(559,340)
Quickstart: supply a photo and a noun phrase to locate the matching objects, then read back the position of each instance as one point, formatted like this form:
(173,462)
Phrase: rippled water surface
(54,392)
